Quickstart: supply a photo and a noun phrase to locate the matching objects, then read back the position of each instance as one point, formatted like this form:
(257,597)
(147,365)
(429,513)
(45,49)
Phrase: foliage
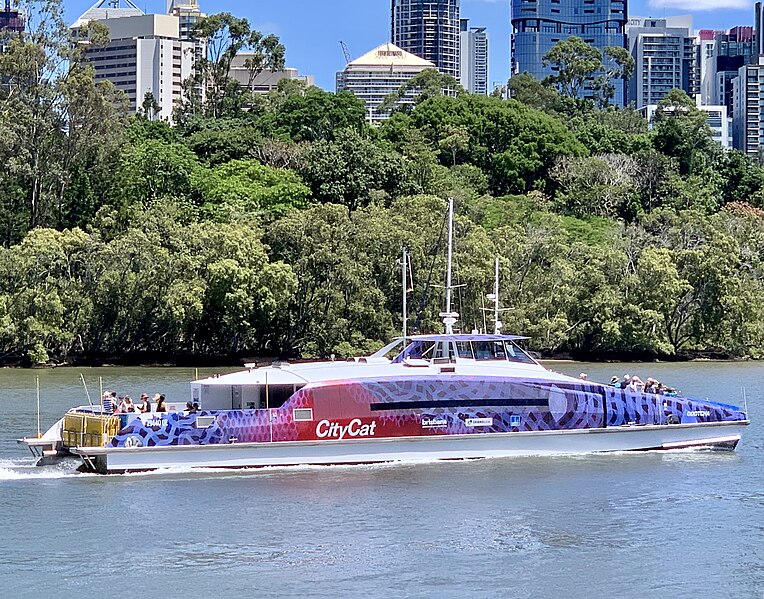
(574,62)
(211,91)
(245,187)
(273,225)
(430,83)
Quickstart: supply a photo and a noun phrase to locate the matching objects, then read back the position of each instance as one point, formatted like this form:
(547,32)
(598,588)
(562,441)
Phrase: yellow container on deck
(89,430)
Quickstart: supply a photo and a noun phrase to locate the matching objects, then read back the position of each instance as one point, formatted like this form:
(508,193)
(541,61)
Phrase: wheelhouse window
(464,350)
(489,350)
(515,354)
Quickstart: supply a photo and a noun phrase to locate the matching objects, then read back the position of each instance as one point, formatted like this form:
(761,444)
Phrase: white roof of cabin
(322,372)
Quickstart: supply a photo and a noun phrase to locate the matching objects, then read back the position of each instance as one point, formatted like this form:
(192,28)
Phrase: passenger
(108,402)
(636,384)
(651,385)
(583,376)
(145,405)
(615,382)
(196,407)
(126,405)
(625,381)
(189,407)
(160,403)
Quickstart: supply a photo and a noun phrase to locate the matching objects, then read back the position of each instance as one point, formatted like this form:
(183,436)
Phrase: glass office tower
(428,29)
(537,25)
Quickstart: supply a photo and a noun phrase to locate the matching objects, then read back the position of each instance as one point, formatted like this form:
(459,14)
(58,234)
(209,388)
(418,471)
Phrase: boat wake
(26,469)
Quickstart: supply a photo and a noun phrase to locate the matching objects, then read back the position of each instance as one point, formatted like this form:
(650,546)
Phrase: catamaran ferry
(449,396)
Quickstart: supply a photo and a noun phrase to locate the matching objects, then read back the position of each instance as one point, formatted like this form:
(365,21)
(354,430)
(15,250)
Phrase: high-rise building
(11,20)
(378,73)
(144,54)
(474,58)
(428,29)
(758,24)
(188,13)
(731,51)
(666,57)
(748,111)
(537,25)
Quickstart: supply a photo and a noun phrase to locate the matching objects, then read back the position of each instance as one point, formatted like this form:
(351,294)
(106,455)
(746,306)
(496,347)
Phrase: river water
(677,524)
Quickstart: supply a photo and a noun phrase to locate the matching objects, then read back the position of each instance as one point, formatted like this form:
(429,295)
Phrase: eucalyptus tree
(211,91)
(56,123)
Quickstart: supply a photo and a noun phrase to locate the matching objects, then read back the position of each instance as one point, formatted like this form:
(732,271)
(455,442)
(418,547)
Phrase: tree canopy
(272,224)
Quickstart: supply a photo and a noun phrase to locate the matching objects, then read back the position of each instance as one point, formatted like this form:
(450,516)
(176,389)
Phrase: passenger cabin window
(277,395)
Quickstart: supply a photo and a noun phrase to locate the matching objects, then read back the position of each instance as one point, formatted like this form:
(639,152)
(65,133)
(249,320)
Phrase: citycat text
(335,430)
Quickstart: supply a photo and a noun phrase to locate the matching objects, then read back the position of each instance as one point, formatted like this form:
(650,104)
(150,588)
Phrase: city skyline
(311,33)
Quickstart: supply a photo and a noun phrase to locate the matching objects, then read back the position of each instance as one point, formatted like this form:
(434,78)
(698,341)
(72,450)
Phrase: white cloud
(700,5)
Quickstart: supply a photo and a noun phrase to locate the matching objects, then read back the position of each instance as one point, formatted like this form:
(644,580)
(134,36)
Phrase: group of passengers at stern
(634,384)
(123,404)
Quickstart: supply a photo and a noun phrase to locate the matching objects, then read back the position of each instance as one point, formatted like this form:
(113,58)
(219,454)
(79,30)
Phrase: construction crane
(346,52)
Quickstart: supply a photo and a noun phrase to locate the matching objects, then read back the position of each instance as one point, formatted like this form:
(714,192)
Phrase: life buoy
(134,441)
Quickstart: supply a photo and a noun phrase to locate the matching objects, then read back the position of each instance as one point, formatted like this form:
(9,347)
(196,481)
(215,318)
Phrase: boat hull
(117,460)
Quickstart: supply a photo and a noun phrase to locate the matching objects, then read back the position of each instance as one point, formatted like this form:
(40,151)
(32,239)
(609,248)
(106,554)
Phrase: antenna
(494,297)
(8,6)
(346,52)
(449,317)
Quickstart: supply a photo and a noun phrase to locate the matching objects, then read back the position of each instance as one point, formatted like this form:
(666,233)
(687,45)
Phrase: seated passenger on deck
(160,403)
(145,405)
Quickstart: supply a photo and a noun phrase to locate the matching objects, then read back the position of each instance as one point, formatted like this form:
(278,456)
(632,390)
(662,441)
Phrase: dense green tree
(153,169)
(246,187)
(57,122)
(430,83)
(315,115)
(575,62)
(512,143)
(682,132)
(347,170)
(618,67)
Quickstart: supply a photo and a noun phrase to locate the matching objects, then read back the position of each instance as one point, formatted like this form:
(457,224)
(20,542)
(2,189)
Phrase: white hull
(450,447)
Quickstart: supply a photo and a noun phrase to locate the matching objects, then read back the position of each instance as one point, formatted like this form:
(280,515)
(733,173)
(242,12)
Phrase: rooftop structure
(265,81)
(108,9)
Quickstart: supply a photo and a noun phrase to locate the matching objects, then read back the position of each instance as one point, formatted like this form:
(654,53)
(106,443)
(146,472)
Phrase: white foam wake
(26,469)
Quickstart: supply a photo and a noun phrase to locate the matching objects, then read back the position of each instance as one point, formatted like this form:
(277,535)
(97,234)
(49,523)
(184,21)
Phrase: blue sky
(311,29)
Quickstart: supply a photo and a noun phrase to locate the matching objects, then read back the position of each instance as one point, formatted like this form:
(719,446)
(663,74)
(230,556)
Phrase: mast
(449,317)
(404,290)
(496,321)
